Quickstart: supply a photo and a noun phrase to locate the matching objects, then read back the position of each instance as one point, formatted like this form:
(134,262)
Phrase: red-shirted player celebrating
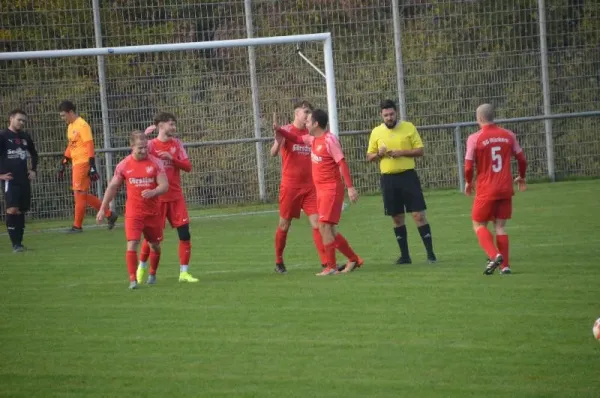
(328,167)
(174,157)
(297,190)
(491,150)
(146,180)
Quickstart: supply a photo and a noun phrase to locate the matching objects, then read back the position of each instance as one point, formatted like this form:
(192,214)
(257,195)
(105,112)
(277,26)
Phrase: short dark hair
(17,111)
(66,106)
(320,116)
(387,104)
(164,117)
(303,104)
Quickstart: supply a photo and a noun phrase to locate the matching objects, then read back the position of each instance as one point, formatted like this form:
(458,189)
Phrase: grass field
(70,327)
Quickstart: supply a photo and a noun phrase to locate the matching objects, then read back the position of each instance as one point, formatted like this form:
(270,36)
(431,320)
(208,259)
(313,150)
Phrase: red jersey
(140,175)
(326,153)
(491,149)
(296,169)
(176,149)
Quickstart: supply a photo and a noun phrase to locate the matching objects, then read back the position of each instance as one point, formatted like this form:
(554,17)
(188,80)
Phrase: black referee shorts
(402,193)
(17,195)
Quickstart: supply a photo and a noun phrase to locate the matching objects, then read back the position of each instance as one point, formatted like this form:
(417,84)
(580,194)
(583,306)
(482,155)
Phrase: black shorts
(17,195)
(402,193)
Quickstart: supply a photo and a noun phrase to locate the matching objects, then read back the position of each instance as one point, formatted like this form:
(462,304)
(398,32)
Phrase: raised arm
(305,139)
(279,140)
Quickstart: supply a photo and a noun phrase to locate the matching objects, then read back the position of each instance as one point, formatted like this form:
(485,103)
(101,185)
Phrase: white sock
(183,268)
(143,264)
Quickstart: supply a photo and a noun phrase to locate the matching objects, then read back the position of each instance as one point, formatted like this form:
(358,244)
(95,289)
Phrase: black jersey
(13,154)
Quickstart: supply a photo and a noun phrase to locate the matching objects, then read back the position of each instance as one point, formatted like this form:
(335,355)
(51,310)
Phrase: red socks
(318,239)
(185,252)
(154,260)
(344,248)
(502,243)
(330,253)
(144,251)
(132,261)
(280,240)
(486,241)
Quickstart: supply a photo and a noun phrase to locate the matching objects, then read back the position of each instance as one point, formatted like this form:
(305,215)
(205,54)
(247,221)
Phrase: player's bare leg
(502,244)
(131,258)
(401,238)
(317,238)
(425,232)
(328,233)
(15,224)
(486,241)
(185,253)
(280,241)
(154,261)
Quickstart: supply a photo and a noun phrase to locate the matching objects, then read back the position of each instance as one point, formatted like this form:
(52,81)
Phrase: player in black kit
(15,176)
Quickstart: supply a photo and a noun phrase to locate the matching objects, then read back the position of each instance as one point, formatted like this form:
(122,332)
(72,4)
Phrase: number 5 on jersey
(496,159)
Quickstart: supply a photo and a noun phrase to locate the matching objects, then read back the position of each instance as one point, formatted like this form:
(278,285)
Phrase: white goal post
(101,52)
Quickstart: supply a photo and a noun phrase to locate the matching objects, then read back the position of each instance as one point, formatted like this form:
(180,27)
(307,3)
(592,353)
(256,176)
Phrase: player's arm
(470,163)
(182,161)
(335,150)
(85,133)
(33,153)
(416,144)
(305,139)
(277,145)
(111,192)
(376,149)
(162,183)
(521,163)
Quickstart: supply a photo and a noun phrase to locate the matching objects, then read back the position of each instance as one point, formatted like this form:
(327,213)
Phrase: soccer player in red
(146,180)
(490,151)
(297,191)
(173,208)
(328,168)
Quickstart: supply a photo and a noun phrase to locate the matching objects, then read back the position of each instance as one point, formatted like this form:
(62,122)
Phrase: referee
(396,144)
(14,146)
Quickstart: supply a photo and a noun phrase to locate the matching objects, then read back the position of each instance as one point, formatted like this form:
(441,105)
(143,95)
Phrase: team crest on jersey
(319,147)
(149,169)
(17,141)
(172,150)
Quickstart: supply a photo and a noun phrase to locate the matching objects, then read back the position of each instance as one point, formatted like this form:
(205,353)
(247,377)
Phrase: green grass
(69,326)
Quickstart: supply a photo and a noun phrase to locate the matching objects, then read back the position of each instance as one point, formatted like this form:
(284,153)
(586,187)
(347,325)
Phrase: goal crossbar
(325,38)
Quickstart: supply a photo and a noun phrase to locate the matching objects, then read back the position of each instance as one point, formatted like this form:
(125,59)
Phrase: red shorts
(330,202)
(176,212)
(150,226)
(490,210)
(292,200)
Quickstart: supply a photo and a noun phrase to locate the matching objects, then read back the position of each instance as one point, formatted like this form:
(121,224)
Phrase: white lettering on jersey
(302,149)
(495,140)
(315,158)
(141,182)
(16,154)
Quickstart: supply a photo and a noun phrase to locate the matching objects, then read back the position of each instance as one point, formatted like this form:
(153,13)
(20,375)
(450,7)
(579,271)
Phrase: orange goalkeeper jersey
(81,145)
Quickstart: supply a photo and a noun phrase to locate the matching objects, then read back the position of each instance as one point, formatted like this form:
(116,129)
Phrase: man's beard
(391,125)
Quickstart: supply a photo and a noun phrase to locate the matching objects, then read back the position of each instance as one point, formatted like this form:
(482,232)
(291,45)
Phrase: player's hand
(396,153)
(100,216)
(468,189)
(94,176)
(148,193)
(276,125)
(150,129)
(521,184)
(165,155)
(382,151)
(352,194)
(6,177)
(31,174)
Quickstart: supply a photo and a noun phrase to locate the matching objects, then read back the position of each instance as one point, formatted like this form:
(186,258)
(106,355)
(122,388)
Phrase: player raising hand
(171,152)
(328,168)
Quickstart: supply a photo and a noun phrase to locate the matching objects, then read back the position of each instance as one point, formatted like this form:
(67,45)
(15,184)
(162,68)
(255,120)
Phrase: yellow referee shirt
(403,136)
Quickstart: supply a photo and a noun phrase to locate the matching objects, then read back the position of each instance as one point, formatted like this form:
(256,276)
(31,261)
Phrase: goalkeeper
(80,153)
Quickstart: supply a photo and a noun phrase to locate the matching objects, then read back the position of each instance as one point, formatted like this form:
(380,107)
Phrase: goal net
(223,94)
